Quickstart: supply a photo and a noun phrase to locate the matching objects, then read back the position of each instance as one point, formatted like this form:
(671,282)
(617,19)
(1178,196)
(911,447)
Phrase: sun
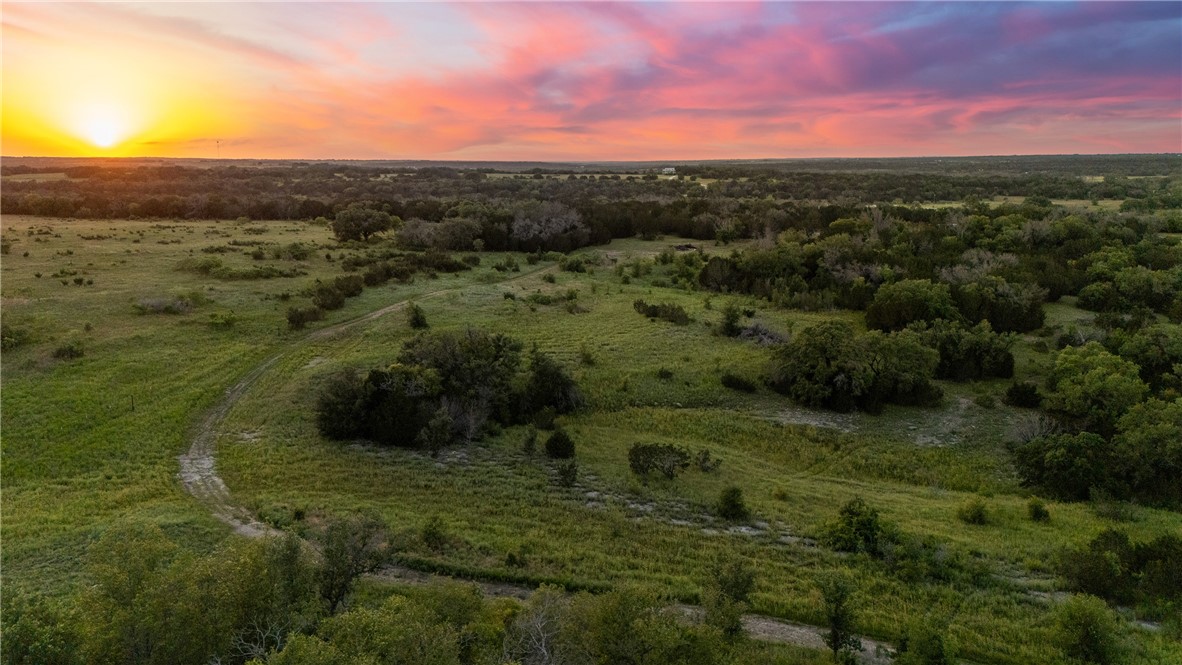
(103,125)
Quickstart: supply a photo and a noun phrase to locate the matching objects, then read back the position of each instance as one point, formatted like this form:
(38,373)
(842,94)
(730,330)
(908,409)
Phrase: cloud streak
(643,81)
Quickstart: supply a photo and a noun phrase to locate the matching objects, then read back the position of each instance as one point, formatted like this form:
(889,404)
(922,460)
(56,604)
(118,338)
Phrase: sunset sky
(595,81)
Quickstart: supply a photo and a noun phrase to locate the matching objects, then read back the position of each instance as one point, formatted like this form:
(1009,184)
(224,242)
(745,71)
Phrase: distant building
(668,170)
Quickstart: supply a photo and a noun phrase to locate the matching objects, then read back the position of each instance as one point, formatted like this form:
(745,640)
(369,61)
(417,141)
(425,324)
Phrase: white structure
(668,170)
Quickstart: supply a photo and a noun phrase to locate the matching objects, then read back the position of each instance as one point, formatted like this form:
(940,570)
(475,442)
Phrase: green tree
(837,597)
(1148,449)
(416,318)
(1068,466)
(899,304)
(1087,631)
(398,632)
(823,366)
(37,631)
(857,529)
(359,221)
(1093,386)
(731,505)
(924,644)
(350,547)
(726,594)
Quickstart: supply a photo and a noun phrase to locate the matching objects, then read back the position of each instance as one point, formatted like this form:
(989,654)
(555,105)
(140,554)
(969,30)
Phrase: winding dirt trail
(198,474)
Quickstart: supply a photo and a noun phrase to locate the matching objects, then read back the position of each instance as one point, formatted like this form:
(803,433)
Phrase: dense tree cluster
(274,601)
(445,387)
(829,365)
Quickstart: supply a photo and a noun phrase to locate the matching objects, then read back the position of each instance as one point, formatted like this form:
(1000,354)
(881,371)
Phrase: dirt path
(198,474)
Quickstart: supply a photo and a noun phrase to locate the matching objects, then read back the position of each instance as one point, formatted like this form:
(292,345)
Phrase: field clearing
(35,177)
(92,442)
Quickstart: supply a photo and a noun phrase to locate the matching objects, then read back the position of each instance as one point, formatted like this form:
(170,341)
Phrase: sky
(590,81)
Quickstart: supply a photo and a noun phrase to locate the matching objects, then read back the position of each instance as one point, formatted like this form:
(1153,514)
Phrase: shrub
(416,318)
(736,382)
(164,306)
(731,505)
(560,446)
(664,374)
(298,317)
(973,512)
(434,534)
(857,529)
(69,351)
(568,472)
(327,297)
(706,462)
(1087,631)
(668,459)
(1037,510)
(924,644)
(729,326)
(544,418)
(529,443)
(670,312)
(836,595)
(350,286)
(437,433)
(1069,466)
(550,386)
(13,337)
(1023,395)
(222,320)
(340,408)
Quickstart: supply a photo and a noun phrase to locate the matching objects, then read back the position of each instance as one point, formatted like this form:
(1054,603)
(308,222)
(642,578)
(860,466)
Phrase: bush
(416,318)
(1037,510)
(434,534)
(731,505)
(13,337)
(736,382)
(340,408)
(668,459)
(222,320)
(299,317)
(1087,631)
(327,297)
(857,529)
(1023,395)
(544,418)
(560,446)
(670,312)
(529,443)
(69,351)
(1069,466)
(350,286)
(550,386)
(729,326)
(923,644)
(1112,567)
(706,462)
(164,306)
(973,512)
(568,472)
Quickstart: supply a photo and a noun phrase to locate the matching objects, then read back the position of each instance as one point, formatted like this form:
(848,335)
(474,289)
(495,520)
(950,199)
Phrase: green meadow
(91,442)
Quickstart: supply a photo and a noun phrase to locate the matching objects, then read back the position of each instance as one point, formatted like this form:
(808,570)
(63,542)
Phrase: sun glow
(103,125)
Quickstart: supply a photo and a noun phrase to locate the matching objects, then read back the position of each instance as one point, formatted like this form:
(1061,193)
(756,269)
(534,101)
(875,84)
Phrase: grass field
(93,441)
